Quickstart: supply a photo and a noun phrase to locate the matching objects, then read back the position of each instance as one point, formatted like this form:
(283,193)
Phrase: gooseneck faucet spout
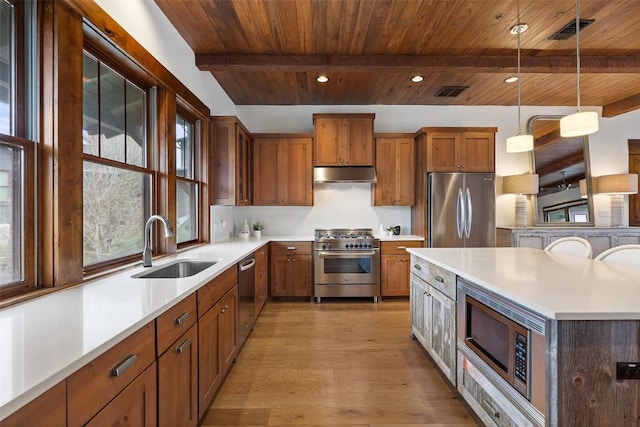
(168,232)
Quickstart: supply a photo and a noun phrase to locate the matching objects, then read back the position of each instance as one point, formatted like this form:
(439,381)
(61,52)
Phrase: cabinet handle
(401,247)
(123,366)
(439,279)
(291,248)
(226,307)
(417,267)
(182,318)
(493,413)
(181,347)
(402,260)
(222,310)
(294,260)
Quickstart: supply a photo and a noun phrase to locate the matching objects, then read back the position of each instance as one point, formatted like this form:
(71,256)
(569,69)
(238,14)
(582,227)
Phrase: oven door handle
(341,254)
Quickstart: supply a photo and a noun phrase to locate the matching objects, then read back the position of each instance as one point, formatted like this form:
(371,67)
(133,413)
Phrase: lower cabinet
(394,269)
(291,269)
(262,278)
(47,410)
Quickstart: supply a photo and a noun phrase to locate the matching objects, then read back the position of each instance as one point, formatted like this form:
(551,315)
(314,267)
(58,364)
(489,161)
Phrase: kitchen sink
(176,270)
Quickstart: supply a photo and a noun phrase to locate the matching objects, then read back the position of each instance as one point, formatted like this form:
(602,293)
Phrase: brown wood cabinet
(91,387)
(231,159)
(395,267)
(217,334)
(47,410)
(343,139)
(443,149)
(178,365)
(395,168)
(291,269)
(262,278)
(283,170)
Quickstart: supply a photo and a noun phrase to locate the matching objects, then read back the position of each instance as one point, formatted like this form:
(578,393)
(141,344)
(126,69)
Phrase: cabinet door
(178,382)
(46,410)
(243,167)
(280,276)
(266,170)
(405,155)
(228,337)
(417,297)
(300,274)
(394,275)
(385,188)
(262,278)
(441,322)
(359,134)
(477,152)
(442,152)
(135,406)
(209,365)
(329,146)
(296,172)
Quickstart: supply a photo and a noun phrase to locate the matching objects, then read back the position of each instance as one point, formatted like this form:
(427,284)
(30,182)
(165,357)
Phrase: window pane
(187,197)
(136,125)
(113,212)
(6,67)
(11,214)
(184,148)
(90,117)
(112,113)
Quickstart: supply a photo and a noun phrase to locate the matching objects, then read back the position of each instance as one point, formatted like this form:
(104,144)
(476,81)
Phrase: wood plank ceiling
(269,52)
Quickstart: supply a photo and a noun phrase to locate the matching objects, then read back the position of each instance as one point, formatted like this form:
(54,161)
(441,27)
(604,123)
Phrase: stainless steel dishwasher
(246,290)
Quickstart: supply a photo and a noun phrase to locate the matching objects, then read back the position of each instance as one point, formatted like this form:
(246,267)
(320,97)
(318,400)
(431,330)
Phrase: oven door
(347,267)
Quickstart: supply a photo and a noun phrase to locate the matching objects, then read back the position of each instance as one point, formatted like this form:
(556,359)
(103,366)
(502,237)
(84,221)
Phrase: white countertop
(402,237)
(45,339)
(560,287)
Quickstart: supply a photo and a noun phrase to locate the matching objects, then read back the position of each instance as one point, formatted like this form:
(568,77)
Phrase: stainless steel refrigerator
(461,210)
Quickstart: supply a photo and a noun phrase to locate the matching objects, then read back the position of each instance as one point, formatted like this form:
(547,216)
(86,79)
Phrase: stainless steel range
(346,263)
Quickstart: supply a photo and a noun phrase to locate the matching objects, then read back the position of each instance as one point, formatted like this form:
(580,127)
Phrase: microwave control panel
(521,358)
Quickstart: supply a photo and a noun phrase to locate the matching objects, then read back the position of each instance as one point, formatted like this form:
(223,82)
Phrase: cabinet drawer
(175,322)
(438,277)
(398,247)
(210,293)
(298,248)
(91,387)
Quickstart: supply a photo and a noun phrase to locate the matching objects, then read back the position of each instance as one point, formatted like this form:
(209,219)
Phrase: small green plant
(258,226)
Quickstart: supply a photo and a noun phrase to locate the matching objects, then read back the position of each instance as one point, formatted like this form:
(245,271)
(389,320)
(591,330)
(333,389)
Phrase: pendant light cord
(518,71)
(578,51)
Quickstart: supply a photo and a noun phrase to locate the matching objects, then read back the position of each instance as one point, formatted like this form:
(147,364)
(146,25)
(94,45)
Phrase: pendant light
(581,122)
(519,143)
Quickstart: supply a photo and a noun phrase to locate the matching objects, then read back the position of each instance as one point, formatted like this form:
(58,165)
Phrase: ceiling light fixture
(417,79)
(519,143)
(581,122)
(511,79)
(322,78)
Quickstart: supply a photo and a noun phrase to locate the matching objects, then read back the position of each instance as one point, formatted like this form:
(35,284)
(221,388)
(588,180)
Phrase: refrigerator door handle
(460,214)
(469,219)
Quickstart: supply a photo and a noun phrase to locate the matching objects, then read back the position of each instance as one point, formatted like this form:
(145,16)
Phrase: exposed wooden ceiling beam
(623,106)
(432,63)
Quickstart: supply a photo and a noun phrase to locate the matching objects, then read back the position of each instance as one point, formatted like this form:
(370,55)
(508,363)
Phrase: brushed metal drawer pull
(123,366)
(223,310)
(417,267)
(226,307)
(291,248)
(439,279)
(401,247)
(493,413)
(181,347)
(182,318)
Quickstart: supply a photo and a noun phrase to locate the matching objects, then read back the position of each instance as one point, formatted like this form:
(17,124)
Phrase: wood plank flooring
(338,363)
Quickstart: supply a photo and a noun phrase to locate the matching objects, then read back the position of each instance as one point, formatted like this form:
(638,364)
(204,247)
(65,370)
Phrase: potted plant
(257,228)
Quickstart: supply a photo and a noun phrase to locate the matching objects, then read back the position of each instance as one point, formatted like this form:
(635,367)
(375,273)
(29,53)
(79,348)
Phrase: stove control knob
(329,246)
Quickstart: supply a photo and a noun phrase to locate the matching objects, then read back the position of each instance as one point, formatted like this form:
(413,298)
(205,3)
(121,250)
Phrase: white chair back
(576,246)
(623,254)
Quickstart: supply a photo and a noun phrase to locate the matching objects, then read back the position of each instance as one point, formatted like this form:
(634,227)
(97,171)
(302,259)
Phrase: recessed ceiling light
(322,79)
(511,79)
(519,28)
(417,79)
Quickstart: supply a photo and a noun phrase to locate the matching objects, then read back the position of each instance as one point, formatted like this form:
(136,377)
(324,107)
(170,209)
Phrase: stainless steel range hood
(345,174)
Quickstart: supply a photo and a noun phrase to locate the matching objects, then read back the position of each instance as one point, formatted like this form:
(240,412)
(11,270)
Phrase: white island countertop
(46,339)
(559,287)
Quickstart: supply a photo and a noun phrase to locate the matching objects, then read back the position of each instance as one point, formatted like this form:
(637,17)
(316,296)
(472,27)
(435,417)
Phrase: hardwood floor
(341,362)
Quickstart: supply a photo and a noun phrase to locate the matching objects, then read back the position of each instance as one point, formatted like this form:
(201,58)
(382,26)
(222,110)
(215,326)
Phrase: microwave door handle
(460,214)
(469,219)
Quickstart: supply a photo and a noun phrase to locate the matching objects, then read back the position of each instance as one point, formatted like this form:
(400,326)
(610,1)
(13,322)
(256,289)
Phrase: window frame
(182,111)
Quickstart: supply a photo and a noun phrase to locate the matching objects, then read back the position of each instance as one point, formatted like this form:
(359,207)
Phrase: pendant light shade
(519,143)
(579,124)
(582,122)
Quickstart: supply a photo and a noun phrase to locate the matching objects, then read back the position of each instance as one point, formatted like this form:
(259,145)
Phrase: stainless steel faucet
(168,232)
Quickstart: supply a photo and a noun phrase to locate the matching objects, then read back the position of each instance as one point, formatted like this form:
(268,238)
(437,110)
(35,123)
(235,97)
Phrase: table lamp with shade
(617,186)
(521,186)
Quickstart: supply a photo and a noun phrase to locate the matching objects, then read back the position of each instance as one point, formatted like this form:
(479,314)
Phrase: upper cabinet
(395,169)
(343,139)
(459,149)
(283,170)
(231,159)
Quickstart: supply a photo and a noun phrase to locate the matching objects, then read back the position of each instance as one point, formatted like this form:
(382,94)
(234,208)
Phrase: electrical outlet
(628,371)
(603,213)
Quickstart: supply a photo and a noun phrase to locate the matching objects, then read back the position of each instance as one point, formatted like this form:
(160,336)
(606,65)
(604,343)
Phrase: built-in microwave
(512,349)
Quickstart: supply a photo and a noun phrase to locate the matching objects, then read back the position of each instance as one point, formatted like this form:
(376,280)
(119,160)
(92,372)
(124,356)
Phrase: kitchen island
(590,315)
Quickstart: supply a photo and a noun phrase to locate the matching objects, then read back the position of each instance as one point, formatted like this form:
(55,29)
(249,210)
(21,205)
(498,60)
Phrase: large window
(7,67)
(116,176)
(187,174)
